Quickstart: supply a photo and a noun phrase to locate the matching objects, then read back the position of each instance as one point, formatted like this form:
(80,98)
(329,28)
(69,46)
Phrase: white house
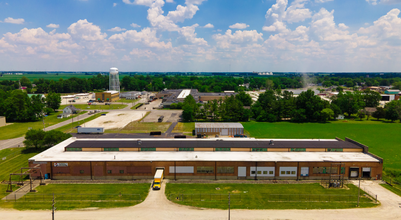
(70,110)
(340,117)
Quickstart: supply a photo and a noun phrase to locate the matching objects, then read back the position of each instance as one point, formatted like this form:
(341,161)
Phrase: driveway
(156,206)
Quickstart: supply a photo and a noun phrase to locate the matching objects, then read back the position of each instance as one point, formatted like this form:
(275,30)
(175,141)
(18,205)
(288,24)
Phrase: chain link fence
(38,197)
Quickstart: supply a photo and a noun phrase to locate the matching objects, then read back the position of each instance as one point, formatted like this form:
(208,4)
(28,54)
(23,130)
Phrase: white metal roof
(111,92)
(184,93)
(57,154)
(218,125)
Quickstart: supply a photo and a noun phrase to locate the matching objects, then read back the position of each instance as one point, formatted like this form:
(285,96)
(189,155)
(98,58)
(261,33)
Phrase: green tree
(25,82)
(361,114)
(312,104)
(379,113)
(244,98)
(326,114)
(393,110)
(349,102)
(371,98)
(53,100)
(34,138)
(269,84)
(53,137)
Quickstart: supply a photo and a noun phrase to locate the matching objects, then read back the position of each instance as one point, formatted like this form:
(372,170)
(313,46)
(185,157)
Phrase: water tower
(114,81)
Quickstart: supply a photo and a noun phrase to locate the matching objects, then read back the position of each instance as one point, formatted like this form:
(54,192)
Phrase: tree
(361,114)
(53,137)
(312,104)
(349,102)
(25,82)
(53,100)
(34,138)
(379,113)
(244,98)
(371,98)
(326,114)
(190,108)
(269,84)
(393,110)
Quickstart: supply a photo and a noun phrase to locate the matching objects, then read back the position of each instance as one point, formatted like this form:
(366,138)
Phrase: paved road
(156,206)
(10,143)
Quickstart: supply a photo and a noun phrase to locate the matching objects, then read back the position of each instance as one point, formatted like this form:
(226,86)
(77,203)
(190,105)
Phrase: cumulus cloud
(53,26)
(139,2)
(322,1)
(85,30)
(324,27)
(146,37)
(114,4)
(386,27)
(239,37)
(117,29)
(239,26)
(190,35)
(14,20)
(135,25)
(209,26)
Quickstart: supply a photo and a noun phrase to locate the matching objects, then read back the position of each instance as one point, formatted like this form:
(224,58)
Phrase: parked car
(103,114)
(107,103)
(239,135)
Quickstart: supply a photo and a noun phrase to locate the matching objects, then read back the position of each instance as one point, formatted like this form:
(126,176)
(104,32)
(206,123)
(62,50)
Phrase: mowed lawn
(74,196)
(265,196)
(382,138)
(18,129)
(97,106)
(184,127)
(15,159)
(142,127)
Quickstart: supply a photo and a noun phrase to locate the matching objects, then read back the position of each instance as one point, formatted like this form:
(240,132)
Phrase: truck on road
(90,130)
(157,181)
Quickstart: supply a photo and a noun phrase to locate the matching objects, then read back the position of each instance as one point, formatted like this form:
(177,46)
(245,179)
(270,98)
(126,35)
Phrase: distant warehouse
(222,129)
(244,158)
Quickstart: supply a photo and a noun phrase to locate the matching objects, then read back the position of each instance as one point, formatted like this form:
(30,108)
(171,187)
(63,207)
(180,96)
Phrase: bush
(39,138)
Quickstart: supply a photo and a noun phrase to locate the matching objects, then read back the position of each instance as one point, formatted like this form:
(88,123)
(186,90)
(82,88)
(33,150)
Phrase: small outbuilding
(2,121)
(222,129)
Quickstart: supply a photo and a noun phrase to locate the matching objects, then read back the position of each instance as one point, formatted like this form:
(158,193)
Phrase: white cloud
(324,27)
(390,2)
(142,53)
(239,37)
(117,29)
(139,2)
(322,1)
(135,25)
(53,26)
(239,26)
(85,30)
(14,20)
(194,2)
(182,12)
(209,26)
(373,2)
(147,37)
(170,1)
(386,27)
(190,35)
(114,4)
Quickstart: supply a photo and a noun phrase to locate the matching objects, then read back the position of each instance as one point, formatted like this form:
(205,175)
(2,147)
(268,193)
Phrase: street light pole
(359,190)
(229,201)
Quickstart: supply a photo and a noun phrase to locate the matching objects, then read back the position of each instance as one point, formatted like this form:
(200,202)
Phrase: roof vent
(271,142)
(139,142)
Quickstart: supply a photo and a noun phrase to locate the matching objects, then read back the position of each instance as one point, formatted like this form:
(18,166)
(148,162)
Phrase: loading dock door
(224,132)
(366,172)
(353,172)
(241,171)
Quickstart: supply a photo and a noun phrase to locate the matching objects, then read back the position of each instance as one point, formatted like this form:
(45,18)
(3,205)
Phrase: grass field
(382,138)
(75,196)
(392,189)
(70,128)
(257,196)
(3,189)
(128,100)
(185,128)
(15,159)
(142,127)
(97,107)
(18,129)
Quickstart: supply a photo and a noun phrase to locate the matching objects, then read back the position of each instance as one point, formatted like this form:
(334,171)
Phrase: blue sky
(201,35)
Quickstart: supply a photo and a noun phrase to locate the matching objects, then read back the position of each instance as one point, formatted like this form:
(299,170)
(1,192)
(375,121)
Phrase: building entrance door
(241,171)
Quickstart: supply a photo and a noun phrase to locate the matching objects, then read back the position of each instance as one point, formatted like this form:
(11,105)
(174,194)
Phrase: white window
(288,171)
(304,171)
(262,171)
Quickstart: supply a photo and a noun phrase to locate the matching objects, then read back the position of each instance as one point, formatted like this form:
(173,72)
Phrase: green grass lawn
(17,159)
(93,107)
(382,138)
(70,128)
(75,196)
(128,100)
(260,196)
(18,129)
(184,127)
(392,189)
(3,189)
(142,127)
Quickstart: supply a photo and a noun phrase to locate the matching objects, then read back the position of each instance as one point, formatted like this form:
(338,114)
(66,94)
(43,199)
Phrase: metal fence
(38,197)
(270,198)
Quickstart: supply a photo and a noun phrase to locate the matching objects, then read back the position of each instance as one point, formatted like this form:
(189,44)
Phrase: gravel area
(115,119)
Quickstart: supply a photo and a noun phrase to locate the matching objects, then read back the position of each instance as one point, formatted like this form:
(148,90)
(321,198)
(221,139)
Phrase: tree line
(17,106)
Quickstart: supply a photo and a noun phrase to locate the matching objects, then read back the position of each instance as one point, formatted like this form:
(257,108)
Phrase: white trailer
(92,130)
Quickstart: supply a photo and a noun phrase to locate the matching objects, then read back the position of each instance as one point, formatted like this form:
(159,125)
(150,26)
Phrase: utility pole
(53,207)
(359,190)
(229,200)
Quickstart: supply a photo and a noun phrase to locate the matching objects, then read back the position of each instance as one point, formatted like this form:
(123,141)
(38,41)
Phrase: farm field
(15,159)
(382,138)
(18,129)
(265,196)
(184,127)
(74,196)
(96,107)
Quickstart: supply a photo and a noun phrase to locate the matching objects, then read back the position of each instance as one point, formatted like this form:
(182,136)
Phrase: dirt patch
(113,120)
(107,122)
